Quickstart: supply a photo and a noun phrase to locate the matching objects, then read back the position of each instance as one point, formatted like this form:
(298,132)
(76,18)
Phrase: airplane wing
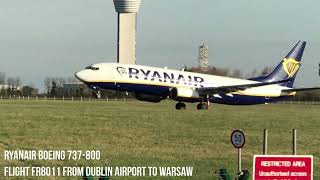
(234,88)
(300,89)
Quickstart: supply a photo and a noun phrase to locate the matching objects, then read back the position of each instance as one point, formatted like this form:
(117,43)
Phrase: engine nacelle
(149,98)
(184,93)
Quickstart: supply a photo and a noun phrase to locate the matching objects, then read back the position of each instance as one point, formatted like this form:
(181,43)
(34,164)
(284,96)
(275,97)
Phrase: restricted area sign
(238,139)
(282,167)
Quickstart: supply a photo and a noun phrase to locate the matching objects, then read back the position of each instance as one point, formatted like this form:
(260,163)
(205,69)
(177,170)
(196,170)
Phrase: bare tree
(60,82)
(236,73)
(266,71)
(14,85)
(17,82)
(47,84)
(254,73)
(11,81)
(2,78)
(210,70)
(72,79)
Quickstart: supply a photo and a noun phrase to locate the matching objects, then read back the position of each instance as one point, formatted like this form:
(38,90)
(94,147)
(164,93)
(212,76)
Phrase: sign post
(265,142)
(238,140)
(239,160)
(294,141)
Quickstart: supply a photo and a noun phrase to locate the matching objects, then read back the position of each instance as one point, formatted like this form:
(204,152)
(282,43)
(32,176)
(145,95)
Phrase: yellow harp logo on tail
(291,66)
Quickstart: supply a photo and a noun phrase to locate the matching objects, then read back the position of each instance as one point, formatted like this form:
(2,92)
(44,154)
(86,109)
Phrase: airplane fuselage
(160,81)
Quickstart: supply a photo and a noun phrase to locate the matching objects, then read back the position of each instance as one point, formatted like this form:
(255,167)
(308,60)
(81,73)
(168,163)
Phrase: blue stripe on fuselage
(165,91)
(241,100)
(136,88)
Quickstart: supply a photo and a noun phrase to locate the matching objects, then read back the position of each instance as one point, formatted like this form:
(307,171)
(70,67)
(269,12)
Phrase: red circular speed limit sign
(238,139)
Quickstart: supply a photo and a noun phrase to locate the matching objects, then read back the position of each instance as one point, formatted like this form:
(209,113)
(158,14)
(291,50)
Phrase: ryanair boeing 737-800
(156,84)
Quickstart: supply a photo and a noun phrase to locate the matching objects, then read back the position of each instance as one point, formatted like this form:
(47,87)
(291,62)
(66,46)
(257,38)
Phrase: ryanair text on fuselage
(154,75)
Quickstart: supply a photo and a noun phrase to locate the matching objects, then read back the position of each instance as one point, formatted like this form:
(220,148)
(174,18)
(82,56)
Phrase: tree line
(11,86)
(236,73)
(71,87)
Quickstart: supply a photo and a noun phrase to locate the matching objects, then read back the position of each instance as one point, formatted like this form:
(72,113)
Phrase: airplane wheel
(180,106)
(202,106)
(183,106)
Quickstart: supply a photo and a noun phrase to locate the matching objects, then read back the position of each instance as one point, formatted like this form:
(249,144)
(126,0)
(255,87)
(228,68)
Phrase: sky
(45,38)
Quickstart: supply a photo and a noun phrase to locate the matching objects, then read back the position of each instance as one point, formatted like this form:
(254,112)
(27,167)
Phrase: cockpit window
(88,67)
(92,68)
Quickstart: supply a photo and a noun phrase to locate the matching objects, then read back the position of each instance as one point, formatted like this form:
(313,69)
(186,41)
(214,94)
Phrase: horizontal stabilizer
(300,89)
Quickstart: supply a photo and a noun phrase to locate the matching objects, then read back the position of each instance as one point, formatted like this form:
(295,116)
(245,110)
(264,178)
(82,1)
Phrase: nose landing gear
(98,94)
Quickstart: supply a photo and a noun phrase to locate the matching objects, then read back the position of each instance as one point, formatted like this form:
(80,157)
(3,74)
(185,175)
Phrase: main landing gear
(180,105)
(202,105)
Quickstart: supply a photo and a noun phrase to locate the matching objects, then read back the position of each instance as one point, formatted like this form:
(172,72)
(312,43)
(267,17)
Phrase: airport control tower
(127,26)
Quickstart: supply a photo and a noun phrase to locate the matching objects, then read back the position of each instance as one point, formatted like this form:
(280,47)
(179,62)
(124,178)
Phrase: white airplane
(155,84)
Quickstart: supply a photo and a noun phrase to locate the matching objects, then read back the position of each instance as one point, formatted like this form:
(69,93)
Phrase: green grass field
(146,134)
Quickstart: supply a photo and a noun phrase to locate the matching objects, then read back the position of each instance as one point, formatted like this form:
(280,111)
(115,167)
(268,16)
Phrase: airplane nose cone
(79,75)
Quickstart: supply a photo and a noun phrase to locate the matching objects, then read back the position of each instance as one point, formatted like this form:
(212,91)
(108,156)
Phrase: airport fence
(45,98)
(124,98)
(315,102)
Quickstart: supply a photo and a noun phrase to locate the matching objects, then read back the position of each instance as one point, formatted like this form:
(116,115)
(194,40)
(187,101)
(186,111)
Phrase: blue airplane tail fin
(288,67)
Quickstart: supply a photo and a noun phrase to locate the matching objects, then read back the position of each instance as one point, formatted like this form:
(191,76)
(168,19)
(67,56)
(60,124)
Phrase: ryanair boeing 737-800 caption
(156,84)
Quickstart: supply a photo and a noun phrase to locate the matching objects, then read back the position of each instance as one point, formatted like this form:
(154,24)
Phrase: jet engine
(148,98)
(184,93)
